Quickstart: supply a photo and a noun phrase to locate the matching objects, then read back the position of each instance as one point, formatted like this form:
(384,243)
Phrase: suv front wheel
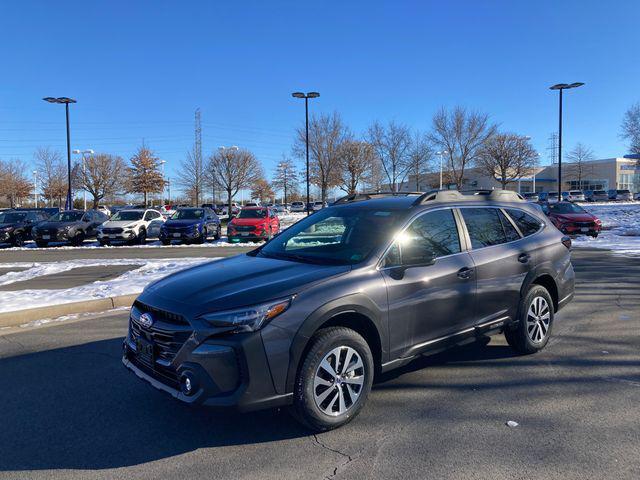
(335,379)
(535,321)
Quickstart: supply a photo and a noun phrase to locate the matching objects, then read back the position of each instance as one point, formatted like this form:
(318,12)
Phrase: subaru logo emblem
(146,320)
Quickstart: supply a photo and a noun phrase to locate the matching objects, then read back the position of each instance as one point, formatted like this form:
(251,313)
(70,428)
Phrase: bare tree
(420,157)
(102,175)
(261,190)
(578,165)
(145,176)
(462,134)
(285,178)
(192,176)
(392,144)
(631,128)
(355,161)
(235,170)
(14,182)
(326,134)
(374,177)
(507,157)
(52,175)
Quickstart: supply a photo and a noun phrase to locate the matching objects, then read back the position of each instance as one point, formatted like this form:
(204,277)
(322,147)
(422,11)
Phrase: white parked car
(131,226)
(297,207)
(574,196)
(235,209)
(620,195)
(105,210)
(319,206)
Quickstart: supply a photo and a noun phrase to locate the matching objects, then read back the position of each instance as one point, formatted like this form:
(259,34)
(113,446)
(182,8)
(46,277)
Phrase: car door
(430,282)
(501,261)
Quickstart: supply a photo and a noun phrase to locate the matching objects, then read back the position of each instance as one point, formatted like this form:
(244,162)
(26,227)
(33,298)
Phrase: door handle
(465,273)
(524,258)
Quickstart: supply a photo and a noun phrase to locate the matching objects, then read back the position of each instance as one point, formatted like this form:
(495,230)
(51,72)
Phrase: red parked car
(572,219)
(253,223)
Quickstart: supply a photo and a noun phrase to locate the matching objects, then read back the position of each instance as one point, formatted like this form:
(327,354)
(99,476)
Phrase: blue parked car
(191,225)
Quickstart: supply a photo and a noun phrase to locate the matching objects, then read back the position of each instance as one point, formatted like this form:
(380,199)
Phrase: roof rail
(439,195)
(357,197)
(506,196)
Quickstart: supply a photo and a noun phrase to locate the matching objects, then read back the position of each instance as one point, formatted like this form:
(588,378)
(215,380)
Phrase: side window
(430,236)
(510,232)
(484,226)
(527,224)
(392,258)
(148,216)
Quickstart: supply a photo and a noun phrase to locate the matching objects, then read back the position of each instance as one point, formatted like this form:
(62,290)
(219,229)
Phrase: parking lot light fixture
(306,97)
(560,87)
(66,101)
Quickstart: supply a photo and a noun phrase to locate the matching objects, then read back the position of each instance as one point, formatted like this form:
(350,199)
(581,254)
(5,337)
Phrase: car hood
(234,282)
(120,223)
(575,217)
(248,221)
(182,223)
(45,225)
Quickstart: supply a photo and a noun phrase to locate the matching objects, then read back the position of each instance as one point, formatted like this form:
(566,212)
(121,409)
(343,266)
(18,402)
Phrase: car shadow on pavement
(79,408)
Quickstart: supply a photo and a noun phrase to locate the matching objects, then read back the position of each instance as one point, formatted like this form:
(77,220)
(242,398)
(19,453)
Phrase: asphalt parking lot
(69,409)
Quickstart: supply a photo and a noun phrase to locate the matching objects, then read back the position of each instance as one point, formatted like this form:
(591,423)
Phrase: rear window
(487,227)
(623,191)
(527,224)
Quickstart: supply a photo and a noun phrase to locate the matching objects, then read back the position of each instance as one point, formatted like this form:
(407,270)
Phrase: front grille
(111,231)
(245,228)
(162,315)
(166,343)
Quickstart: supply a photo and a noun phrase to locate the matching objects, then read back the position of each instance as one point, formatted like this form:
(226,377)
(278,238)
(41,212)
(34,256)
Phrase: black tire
(165,241)
(78,240)
(103,243)
(41,244)
(142,237)
(18,240)
(202,238)
(322,343)
(218,233)
(520,336)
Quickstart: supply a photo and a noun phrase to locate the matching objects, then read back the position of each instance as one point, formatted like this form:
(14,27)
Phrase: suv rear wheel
(535,321)
(335,379)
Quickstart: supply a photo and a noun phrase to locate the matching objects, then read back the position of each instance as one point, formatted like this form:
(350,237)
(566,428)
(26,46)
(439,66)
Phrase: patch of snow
(131,282)
(620,227)
(64,318)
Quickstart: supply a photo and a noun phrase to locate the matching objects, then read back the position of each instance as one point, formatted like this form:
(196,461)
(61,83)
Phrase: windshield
(253,213)
(623,191)
(335,235)
(12,217)
(188,214)
(67,217)
(566,208)
(127,215)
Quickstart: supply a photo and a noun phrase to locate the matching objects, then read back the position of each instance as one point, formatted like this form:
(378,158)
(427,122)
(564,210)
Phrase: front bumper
(580,230)
(252,236)
(117,237)
(230,371)
(60,236)
(181,235)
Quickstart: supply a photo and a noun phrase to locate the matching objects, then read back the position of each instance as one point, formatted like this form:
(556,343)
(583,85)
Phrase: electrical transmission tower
(197,153)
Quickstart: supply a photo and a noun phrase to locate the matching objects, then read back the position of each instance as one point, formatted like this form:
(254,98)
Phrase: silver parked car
(596,195)
(574,196)
(620,195)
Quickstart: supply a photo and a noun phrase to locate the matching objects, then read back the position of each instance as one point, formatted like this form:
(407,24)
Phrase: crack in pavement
(326,447)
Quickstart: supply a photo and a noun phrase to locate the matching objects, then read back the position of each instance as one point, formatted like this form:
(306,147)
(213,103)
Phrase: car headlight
(248,319)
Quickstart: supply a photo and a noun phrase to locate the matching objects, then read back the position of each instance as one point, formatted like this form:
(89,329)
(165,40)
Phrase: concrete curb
(18,317)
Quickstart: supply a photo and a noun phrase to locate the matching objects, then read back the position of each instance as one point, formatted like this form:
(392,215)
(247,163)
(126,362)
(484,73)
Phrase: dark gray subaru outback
(353,290)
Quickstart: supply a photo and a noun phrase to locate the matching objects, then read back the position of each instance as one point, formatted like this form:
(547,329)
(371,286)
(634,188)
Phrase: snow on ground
(621,227)
(130,282)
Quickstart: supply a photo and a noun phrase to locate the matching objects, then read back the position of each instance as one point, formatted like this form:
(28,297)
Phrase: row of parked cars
(131,225)
(615,195)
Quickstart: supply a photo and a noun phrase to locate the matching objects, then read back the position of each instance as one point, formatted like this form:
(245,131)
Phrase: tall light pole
(441,154)
(66,101)
(560,87)
(35,187)
(84,171)
(306,97)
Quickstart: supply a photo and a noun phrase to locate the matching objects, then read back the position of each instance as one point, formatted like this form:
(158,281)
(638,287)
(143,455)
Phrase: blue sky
(139,69)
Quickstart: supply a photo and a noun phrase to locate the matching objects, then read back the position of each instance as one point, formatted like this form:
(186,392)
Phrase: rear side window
(484,226)
(527,224)
(433,234)
(510,233)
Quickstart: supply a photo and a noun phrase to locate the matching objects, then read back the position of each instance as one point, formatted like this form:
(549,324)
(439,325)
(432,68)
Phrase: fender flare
(353,303)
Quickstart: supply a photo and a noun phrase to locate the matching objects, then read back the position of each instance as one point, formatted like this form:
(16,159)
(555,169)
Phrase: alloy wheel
(338,381)
(538,319)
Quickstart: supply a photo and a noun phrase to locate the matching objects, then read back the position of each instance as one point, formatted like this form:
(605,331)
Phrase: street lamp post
(306,97)
(560,87)
(35,187)
(441,154)
(84,171)
(66,101)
